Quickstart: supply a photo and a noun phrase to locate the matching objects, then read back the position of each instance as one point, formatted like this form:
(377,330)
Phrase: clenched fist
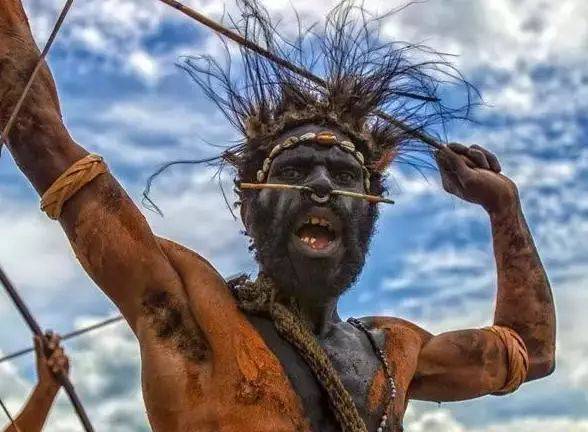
(473,174)
(51,360)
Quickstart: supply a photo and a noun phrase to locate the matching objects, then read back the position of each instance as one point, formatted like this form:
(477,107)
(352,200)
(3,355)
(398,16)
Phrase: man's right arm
(109,235)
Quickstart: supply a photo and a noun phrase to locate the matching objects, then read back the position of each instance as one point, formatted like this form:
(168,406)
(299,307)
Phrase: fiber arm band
(70,182)
(518,358)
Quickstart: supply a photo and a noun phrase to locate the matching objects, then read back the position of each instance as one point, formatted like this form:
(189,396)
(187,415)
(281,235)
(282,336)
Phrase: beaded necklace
(387,370)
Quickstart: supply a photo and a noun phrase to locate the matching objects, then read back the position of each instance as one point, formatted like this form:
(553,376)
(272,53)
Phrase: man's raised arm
(521,344)
(108,233)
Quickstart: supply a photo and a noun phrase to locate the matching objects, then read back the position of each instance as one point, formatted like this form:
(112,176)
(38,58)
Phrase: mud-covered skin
(352,357)
(229,379)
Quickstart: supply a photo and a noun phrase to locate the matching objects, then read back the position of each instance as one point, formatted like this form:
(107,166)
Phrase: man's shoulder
(397,327)
(179,255)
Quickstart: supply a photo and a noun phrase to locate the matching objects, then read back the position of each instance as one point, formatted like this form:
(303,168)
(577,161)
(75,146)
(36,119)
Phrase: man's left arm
(470,363)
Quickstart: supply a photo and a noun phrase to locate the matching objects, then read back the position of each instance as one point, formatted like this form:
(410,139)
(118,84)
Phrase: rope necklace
(259,297)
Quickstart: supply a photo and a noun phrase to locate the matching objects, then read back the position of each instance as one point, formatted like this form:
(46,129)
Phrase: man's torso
(224,371)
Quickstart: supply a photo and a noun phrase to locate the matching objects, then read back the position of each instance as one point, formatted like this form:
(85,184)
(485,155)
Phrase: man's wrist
(48,388)
(508,210)
(507,205)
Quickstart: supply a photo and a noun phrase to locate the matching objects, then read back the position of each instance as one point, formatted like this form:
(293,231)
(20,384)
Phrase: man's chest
(180,389)
(356,363)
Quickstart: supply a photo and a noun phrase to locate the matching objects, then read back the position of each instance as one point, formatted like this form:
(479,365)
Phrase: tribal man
(271,353)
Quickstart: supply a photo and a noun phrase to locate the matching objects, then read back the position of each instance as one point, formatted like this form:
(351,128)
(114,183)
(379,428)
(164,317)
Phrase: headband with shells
(323,138)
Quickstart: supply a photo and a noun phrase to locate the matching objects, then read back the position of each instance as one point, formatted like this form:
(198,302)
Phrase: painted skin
(207,367)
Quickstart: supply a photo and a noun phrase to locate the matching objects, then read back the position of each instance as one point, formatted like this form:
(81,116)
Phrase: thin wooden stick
(259,186)
(371,198)
(40,62)
(12,422)
(278,186)
(236,37)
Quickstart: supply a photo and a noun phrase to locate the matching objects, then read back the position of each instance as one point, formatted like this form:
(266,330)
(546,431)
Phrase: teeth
(318,221)
(309,240)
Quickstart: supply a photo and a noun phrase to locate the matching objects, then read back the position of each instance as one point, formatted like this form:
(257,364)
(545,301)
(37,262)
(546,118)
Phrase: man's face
(312,249)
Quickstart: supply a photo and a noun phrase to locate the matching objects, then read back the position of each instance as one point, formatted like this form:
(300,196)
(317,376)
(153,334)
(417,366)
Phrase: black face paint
(273,216)
(273,223)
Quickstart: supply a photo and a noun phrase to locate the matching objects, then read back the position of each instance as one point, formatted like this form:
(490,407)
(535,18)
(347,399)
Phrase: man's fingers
(57,354)
(38,342)
(458,148)
(63,363)
(454,170)
(491,162)
(58,361)
(452,162)
(490,157)
(479,158)
(58,366)
(53,340)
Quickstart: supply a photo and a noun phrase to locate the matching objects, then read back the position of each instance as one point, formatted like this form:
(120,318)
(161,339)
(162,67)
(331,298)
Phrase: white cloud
(144,65)
(441,420)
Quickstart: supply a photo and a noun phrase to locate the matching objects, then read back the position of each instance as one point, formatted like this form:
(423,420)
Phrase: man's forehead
(301,130)
(313,150)
(314,153)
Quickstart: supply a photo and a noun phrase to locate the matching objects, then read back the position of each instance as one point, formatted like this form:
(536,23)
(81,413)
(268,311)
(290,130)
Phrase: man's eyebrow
(341,163)
(309,159)
(296,158)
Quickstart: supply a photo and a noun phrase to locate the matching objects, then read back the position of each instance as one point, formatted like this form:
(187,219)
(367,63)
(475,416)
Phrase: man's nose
(320,181)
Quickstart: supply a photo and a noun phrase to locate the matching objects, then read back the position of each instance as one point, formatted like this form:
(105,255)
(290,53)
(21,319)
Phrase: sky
(431,260)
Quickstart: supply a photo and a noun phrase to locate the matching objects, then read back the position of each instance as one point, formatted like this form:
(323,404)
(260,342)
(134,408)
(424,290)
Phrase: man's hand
(473,174)
(51,360)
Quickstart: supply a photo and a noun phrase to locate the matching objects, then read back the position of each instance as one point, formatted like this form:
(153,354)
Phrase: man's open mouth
(318,232)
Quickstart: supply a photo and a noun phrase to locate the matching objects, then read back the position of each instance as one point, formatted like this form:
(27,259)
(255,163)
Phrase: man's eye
(290,173)
(344,177)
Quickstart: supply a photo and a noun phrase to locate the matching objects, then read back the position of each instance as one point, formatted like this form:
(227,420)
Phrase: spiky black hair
(360,73)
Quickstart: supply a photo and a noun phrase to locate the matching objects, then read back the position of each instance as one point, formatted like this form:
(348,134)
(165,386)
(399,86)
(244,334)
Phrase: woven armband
(70,182)
(517,356)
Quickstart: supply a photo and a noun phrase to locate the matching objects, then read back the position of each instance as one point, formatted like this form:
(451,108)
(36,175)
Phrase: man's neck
(321,315)
(320,312)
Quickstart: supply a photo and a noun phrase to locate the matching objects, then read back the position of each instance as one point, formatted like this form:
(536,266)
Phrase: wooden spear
(236,37)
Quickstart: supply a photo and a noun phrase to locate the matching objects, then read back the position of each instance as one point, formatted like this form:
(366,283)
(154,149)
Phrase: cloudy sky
(431,261)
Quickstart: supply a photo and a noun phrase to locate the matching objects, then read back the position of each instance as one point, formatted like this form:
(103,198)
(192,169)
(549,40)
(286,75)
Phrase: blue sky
(431,261)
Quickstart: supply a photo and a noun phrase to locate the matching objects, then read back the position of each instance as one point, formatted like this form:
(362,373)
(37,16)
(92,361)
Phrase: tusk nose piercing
(320,199)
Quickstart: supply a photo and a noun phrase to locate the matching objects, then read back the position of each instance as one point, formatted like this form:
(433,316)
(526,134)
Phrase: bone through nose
(320,182)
